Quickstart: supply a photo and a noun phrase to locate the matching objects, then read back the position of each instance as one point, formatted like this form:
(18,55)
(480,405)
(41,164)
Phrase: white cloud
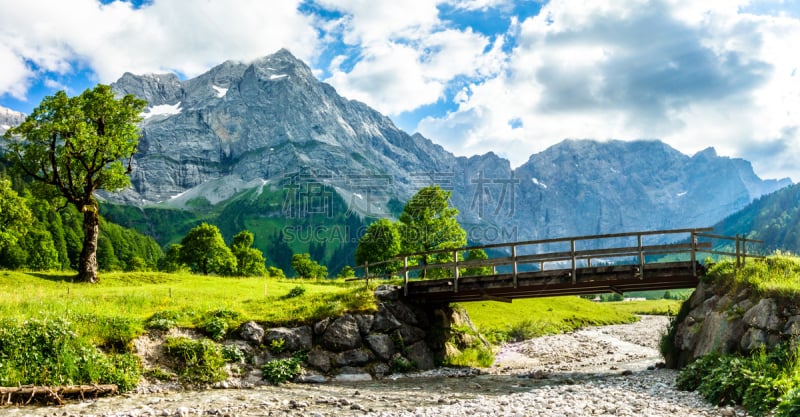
(162,36)
(692,76)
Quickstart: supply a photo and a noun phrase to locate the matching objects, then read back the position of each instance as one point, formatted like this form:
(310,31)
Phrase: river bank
(597,371)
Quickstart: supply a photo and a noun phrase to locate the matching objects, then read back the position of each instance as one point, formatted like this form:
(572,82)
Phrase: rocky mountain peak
(9,118)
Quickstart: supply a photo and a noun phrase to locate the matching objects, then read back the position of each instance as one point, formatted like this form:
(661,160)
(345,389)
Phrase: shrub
(216,323)
(198,360)
(296,292)
(49,352)
(278,371)
(233,354)
(789,405)
(277,346)
(162,320)
(400,364)
(478,356)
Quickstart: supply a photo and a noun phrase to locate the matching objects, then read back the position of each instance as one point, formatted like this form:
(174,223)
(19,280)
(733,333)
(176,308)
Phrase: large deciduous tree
(204,250)
(379,243)
(428,223)
(249,260)
(14,215)
(75,146)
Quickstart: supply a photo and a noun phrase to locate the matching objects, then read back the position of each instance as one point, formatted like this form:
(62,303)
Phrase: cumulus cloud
(162,36)
(691,75)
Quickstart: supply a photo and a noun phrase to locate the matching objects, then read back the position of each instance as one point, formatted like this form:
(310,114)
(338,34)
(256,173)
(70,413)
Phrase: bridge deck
(620,262)
(594,280)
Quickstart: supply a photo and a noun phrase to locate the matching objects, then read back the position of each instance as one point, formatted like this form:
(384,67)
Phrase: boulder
(792,327)
(420,355)
(354,357)
(386,292)
(251,332)
(343,334)
(384,321)
(763,315)
(321,326)
(320,358)
(403,313)
(410,334)
(364,323)
(753,339)
(381,344)
(294,339)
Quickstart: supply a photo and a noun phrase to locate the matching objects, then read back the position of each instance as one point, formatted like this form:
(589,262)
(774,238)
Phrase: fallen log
(9,394)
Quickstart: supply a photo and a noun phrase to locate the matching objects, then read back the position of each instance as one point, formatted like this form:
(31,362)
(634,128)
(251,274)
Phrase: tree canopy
(428,223)
(379,243)
(14,215)
(249,260)
(204,250)
(305,267)
(75,146)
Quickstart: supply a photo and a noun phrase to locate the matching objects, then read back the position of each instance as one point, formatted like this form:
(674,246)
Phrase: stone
(410,334)
(701,311)
(343,334)
(320,358)
(354,357)
(364,323)
(384,321)
(321,326)
(403,313)
(381,344)
(420,355)
(708,338)
(311,378)
(763,315)
(379,369)
(753,339)
(385,292)
(353,377)
(294,339)
(251,332)
(792,327)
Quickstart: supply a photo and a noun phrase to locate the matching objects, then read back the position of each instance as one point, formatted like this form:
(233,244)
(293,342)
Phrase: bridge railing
(569,252)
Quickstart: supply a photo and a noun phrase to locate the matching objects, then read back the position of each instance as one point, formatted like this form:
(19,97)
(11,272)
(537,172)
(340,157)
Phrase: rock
(792,327)
(320,359)
(384,321)
(353,375)
(381,344)
(343,334)
(295,339)
(386,292)
(311,378)
(410,334)
(354,357)
(763,315)
(753,339)
(403,313)
(708,305)
(321,326)
(379,370)
(251,332)
(364,323)
(420,355)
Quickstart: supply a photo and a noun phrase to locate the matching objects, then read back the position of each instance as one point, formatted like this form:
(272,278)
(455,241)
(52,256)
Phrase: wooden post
(641,256)
(574,261)
(455,271)
(694,254)
(366,272)
(405,275)
(737,250)
(744,250)
(514,257)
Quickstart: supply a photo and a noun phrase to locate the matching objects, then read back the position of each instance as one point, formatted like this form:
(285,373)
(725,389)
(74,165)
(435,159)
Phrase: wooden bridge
(622,262)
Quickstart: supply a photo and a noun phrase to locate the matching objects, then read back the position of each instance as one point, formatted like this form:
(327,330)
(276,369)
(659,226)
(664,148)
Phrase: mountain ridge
(271,123)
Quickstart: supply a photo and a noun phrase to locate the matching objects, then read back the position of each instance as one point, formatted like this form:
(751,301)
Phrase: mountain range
(263,144)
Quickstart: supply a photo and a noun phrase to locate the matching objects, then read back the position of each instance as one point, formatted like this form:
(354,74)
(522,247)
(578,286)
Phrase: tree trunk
(87,266)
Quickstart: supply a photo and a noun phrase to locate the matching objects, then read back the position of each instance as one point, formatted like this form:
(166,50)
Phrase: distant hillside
(773,218)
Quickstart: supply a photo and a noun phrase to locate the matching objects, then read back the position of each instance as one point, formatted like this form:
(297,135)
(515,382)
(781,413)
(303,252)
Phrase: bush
(480,357)
(233,354)
(199,361)
(49,352)
(296,292)
(278,371)
(759,382)
(162,320)
(216,323)
(790,404)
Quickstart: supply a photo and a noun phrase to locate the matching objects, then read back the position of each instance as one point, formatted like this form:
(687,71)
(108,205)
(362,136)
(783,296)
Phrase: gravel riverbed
(598,371)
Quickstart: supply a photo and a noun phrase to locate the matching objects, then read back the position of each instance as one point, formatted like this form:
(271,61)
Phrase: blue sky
(508,76)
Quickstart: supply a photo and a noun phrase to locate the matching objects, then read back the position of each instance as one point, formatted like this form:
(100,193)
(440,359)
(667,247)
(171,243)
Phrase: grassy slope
(133,297)
(539,316)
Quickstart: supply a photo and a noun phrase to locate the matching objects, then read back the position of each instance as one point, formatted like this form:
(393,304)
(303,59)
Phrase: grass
(775,275)
(648,307)
(122,302)
(540,316)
